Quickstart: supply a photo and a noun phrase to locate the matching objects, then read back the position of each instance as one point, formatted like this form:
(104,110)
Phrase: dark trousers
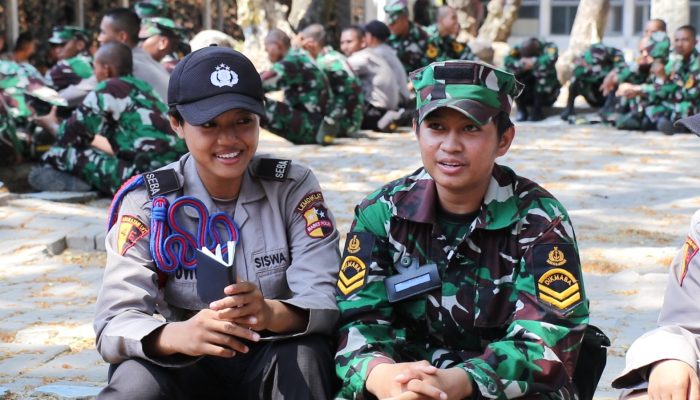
(298,368)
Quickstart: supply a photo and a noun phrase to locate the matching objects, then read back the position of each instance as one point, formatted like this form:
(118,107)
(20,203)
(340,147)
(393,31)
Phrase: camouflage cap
(150,8)
(160,26)
(658,45)
(394,9)
(476,89)
(63,33)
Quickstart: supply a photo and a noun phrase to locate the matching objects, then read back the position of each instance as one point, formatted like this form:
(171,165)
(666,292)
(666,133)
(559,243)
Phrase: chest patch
(356,258)
(556,273)
(161,182)
(273,259)
(690,249)
(131,229)
(272,168)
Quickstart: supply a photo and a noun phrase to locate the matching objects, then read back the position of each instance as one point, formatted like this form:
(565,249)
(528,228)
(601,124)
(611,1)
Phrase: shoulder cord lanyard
(172,245)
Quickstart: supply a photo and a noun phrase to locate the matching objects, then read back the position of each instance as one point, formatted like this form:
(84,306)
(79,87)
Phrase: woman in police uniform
(222,335)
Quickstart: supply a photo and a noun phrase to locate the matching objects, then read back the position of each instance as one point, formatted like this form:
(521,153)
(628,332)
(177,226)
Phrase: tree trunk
(470,14)
(676,13)
(257,17)
(499,20)
(588,29)
(306,12)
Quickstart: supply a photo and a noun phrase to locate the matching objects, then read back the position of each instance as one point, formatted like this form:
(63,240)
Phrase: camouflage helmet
(160,26)
(476,89)
(150,8)
(658,45)
(63,33)
(394,9)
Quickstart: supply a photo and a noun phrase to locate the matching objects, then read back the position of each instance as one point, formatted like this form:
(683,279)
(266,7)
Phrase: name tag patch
(318,222)
(556,272)
(161,182)
(131,229)
(275,169)
(273,259)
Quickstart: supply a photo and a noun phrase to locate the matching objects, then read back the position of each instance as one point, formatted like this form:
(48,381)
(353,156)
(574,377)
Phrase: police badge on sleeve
(557,277)
(318,222)
(131,230)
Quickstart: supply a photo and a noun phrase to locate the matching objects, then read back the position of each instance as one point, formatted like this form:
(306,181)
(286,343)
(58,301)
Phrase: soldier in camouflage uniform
(16,73)
(302,118)
(75,63)
(408,39)
(151,8)
(442,44)
(346,106)
(590,70)
(119,130)
(10,146)
(641,106)
(462,279)
(532,62)
(161,38)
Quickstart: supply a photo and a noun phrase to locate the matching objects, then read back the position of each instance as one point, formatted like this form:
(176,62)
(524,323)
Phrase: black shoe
(522,115)
(536,115)
(51,180)
(665,126)
(567,113)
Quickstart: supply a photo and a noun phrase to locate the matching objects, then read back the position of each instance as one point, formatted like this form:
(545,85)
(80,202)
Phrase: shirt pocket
(494,307)
(271,272)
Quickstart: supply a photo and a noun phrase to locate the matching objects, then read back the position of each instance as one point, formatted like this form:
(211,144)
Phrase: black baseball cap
(213,80)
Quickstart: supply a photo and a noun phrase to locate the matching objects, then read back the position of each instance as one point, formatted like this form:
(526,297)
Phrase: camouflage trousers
(297,126)
(100,170)
(537,93)
(350,120)
(641,114)
(11,148)
(589,90)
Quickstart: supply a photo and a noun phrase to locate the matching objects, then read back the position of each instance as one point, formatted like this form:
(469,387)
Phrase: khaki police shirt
(274,251)
(678,334)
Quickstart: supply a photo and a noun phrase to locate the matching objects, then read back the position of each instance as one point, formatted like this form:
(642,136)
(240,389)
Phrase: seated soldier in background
(160,37)
(119,130)
(590,71)
(442,43)
(351,40)
(408,39)
(345,109)
(16,73)
(301,117)
(380,87)
(376,35)
(532,62)
(74,60)
(664,363)
(641,106)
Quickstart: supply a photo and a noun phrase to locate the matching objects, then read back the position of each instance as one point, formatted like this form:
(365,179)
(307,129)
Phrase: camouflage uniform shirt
(545,74)
(304,84)
(596,62)
(346,105)
(511,309)
(411,49)
(684,76)
(442,48)
(69,72)
(14,78)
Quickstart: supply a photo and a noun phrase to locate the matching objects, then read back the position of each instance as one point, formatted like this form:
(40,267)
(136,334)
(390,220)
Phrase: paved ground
(630,195)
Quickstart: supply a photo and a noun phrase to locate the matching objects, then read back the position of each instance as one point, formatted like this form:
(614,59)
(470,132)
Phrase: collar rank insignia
(273,169)
(690,249)
(556,268)
(161,182)
(357,257)
(223,76)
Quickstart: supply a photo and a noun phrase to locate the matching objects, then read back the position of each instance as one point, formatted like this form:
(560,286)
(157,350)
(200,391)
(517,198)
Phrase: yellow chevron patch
(352,275)
(559,288)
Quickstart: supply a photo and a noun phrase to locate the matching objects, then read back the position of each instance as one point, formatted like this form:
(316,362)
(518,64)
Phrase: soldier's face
(70,49)
(222,149)
(684,42)
(107,32)
(449,24)
(459,154)
(274,51)
(100,70)
(350,42)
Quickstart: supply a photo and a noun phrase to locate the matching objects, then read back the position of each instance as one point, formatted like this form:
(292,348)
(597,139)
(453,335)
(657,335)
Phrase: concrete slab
(19,358)
(69,391)
(63,197)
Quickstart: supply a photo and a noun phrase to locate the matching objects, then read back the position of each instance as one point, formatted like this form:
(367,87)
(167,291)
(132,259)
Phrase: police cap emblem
(223,76)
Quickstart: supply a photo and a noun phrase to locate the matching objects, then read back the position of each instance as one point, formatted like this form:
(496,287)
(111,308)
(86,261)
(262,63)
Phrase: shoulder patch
(690,249)
(357,257)
(318,222)
(131,230)
(556,268)
(273,168)
(161,182)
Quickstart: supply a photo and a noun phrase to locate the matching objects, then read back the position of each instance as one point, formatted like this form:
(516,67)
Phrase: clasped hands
(418,380)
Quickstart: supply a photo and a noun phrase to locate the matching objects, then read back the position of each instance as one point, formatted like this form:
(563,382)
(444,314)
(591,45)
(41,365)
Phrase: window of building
(642,13)
(528,22)
(614,24)
(563,15)
(695,14)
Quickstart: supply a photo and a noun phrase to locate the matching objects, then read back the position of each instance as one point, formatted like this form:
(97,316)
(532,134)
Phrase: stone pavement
(630,195)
